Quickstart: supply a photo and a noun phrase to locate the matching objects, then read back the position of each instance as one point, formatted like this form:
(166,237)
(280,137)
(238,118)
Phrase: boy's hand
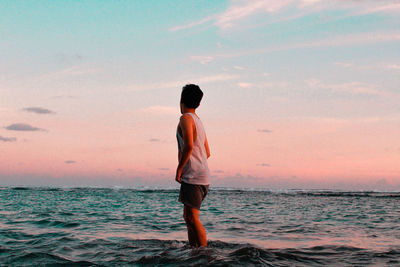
(178,175)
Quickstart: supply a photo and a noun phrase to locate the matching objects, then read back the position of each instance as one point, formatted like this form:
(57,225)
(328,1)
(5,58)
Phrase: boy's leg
(192,219)
(192,237)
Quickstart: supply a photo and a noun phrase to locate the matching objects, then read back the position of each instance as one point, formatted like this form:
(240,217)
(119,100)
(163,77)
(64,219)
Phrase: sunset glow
(297,94)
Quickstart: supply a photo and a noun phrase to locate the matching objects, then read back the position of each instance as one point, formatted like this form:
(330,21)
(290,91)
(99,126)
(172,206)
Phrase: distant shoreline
(327,192)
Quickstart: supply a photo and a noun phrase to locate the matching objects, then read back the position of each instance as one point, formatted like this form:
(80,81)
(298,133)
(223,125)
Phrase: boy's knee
(190,218)
(187,218)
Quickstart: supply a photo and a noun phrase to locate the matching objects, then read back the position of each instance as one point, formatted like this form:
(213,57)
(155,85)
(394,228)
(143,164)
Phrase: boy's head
(191,95)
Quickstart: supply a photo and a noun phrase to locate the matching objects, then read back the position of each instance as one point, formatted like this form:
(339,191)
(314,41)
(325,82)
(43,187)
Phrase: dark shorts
(192,195)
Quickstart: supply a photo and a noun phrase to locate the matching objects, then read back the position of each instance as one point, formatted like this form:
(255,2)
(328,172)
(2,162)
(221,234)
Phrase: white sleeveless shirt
(196,169)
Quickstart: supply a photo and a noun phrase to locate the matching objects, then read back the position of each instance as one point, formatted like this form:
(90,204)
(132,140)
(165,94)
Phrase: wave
(100,252)
(44,258)
(55,223)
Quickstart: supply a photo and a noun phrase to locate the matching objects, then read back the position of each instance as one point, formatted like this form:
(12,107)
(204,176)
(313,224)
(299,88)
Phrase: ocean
(144,227)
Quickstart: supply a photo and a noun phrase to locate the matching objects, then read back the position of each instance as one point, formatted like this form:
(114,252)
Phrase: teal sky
(295,88)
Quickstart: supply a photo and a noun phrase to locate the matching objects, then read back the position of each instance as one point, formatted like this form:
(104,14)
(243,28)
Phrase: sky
(297,93)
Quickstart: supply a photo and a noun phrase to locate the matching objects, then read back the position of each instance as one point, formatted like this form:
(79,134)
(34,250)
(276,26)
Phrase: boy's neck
(188,110)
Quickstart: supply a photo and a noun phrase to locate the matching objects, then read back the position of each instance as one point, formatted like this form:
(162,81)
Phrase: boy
(192,171)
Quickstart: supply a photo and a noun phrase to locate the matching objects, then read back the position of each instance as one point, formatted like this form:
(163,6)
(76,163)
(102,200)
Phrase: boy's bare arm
(186,125)
(179,150)
(207,148)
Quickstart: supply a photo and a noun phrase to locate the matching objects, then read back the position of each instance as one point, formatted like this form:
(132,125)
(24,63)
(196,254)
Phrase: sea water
(144,227)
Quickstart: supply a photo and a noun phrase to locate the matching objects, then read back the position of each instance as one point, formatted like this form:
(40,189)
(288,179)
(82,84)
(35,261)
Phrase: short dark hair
(191,95)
